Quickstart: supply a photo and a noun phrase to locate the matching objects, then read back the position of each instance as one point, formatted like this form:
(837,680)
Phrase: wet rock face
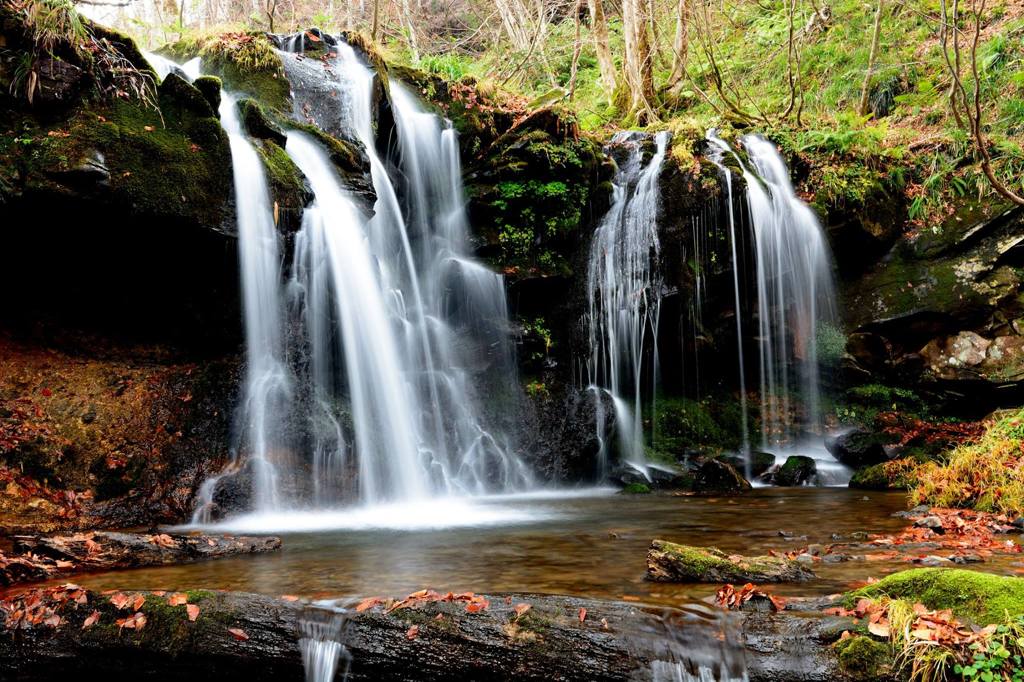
(941,310)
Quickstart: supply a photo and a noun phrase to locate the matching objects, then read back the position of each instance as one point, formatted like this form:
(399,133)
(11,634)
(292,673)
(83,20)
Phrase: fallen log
(65,633)
(669,562)
(43,557)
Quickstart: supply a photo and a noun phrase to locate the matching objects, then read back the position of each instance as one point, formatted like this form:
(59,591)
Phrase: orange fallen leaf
(138,602)
(91,620)
(177,599)
(520,609)
(412,632)
(120,600)
(193,612)
(583,614)
(238,634)
(368,603)
(289,597)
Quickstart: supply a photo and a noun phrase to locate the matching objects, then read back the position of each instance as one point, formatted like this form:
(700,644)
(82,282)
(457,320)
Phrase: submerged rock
(857,448)
(760,462)
(669,562)
(716,476)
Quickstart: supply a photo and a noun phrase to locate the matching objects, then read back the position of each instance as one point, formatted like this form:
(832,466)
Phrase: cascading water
(794,289)
(268,384)
(321,636)
(794,296)
(397,319)
(719,149)
(624,291)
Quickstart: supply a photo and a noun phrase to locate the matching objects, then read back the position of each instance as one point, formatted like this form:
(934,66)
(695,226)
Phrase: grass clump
(986,475)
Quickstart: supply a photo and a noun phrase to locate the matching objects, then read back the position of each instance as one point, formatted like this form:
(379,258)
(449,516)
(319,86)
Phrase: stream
(589,544)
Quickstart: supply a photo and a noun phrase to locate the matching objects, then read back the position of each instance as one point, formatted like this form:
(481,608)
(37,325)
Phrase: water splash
(624,290)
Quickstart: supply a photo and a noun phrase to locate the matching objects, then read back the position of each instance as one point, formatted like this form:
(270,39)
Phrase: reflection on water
(585,545)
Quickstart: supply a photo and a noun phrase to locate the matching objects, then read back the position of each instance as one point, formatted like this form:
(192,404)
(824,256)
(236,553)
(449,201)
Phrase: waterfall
(794,290)
(268,385)
(624,290)
(719,148)
(397,317)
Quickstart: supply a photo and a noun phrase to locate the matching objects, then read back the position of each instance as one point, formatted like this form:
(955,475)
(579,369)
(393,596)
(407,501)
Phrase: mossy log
(247,637)
(669,562)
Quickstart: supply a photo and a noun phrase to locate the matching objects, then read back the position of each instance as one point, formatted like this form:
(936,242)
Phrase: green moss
(862,658)
(170,166)
(636,489)
(210,87)
(982,598)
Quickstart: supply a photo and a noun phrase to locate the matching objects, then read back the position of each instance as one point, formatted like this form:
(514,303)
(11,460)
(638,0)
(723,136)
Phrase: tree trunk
(599,27)
(681,43)
(411,29)
(876,33)
(637,66)
(239,637)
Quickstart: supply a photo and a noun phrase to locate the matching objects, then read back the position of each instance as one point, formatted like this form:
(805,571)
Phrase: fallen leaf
(520,609)
(879,629)
(583,614)
(91,620)
(120,600)
(412,632)
(289,597)
(139,601)
(193,612)
(177,599)
(368,603)
(238,634)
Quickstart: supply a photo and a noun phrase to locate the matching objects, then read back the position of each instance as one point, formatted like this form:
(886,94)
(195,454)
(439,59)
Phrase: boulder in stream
(796,470)
(670,562)
(857,448)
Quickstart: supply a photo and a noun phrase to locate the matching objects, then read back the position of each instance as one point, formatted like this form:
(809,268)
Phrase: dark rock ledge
(246,637)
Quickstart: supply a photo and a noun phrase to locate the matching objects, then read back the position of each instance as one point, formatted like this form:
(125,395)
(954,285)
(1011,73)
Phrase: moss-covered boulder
(670,562)
(981,598)
(246,62)
(796,470)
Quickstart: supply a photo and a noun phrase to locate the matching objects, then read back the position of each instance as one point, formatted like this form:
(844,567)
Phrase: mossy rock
(210,87)
(287,184)
(636,489)
(982,598)
(184,97)
(862,658)
(258,124)
(670,562)
(795,471)
(760,462)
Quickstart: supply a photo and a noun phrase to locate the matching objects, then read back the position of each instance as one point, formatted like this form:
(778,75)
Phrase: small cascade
(663,671)
(321,635)
(719,148)
(624,291)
